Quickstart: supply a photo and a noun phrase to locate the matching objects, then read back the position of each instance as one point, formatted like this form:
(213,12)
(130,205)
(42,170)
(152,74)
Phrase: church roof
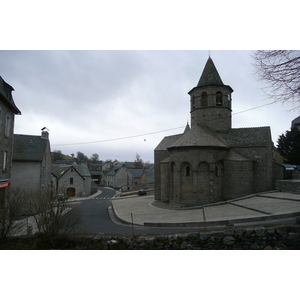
(187,128)
(210,75)
(199,136)
(248,137)
(167,141)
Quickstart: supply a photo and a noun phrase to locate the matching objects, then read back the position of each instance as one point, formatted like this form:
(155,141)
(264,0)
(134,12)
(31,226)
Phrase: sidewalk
(254,208)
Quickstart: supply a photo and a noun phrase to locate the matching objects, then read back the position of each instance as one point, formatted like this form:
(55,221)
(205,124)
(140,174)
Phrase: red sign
(4,184)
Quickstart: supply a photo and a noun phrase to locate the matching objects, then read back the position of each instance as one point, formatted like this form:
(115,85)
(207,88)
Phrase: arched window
(217,171)
(187,171)
(219,100)
(172,167)
(204,99)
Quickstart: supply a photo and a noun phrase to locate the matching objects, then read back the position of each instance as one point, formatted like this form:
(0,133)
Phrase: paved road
(96,219)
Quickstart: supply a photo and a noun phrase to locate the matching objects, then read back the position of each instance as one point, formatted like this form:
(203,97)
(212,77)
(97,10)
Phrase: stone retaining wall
(283,237)
(256,238)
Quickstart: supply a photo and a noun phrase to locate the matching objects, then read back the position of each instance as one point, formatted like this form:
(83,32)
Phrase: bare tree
(94,157)
(138,163)
(280,69)
(53,216)
(11,209)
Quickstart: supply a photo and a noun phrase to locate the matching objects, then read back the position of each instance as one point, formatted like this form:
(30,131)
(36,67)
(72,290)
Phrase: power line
(253,108)
(144,134)
(116,139)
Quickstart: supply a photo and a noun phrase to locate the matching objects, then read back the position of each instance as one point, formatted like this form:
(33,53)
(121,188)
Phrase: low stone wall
(231,239)
(288,185)
(256,238)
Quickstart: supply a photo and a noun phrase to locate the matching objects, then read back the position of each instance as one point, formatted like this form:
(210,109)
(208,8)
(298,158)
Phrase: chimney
(45,135)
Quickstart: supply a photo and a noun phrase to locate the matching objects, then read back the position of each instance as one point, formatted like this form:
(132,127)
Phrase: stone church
(211,161)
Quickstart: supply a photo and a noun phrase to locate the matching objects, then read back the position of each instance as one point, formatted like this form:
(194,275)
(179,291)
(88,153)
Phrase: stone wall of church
(217,117)
(262,167)
(165,181)
(238,179)
(196,176)
(159,155)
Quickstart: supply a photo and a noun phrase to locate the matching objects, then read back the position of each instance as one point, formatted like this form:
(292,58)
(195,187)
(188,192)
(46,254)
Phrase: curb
(224,222)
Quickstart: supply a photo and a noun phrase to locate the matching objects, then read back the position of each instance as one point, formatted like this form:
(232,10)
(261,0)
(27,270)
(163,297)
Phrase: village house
(31,162)
(96,172)
(8,110)
(139,178)
(119,177)
(211,161)
(122,177)
(73,181)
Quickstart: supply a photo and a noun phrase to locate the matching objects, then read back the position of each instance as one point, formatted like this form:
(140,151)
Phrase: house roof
(113,171)
(136,172)
(6,96)
(29,147)
(200,136)
(129,164)
(59,171)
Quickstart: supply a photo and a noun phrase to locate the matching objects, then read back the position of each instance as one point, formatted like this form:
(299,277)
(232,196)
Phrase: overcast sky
(86,98)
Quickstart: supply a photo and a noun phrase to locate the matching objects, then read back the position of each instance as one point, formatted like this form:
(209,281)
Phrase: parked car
(142,192)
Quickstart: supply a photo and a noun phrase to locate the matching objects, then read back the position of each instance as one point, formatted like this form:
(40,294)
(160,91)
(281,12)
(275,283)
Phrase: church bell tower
(211,100)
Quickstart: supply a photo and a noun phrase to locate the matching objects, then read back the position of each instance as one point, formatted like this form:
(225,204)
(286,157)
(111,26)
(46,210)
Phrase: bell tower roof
(210,75)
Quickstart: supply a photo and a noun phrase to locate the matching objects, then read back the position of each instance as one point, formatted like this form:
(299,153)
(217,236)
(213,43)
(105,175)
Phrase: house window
(219,100)
(71,180)
(4,166)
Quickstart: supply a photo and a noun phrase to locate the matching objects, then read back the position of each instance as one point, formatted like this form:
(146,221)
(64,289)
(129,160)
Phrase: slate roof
(113,171)
(187,128)
(248,137)
(6,96)
(136,172)
(203,136)
(210,75)
(167,141)
(29,147)
(83,171)
(129,164)
(199,136)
